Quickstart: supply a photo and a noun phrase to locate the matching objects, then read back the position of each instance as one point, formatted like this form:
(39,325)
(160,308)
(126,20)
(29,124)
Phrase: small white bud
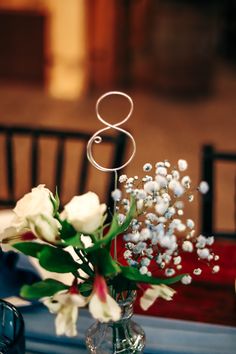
(187,279)
(151,187)
(181,227)
(123,178)
(143,270)
(191,198)
(147,167)
(186,181)
(210,240)
(210,257)
(177,260)
(127,254)
(116,194)
(215,269)
(197,271)
(169,272)
(187,246)
(190,223)
(177,188)
(203,253)
(175,174)
(167,164)
(161,171)
(203,187)
(182,165)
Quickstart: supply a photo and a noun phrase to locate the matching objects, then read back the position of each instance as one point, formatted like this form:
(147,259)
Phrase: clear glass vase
(124,336)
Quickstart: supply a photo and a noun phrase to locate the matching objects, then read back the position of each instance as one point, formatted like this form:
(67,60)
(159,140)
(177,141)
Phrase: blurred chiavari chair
(8,147)
(12,139)
(210,157)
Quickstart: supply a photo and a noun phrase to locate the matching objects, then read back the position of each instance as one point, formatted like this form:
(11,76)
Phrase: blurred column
(103,44)
(67,69)
(185,39)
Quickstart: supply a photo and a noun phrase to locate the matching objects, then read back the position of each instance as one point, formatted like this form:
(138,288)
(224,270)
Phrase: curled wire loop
(96,138)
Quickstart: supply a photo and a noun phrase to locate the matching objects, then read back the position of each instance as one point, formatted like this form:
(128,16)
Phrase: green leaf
(83,262)
(75,241)
(57,199)
(56,260)
(32,249)
(56,202)
(116,228)
(134,275)
(104,262)
(51,258)
(129,216)
(47,287)
(67,230)
(120,283)
(85,288)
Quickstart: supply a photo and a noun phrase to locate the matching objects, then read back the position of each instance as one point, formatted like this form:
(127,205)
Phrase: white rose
(45,228)
(84,212)
(38,201)
(35,212)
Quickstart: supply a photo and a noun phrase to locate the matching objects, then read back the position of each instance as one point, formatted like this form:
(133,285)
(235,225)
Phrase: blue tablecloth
(164,336)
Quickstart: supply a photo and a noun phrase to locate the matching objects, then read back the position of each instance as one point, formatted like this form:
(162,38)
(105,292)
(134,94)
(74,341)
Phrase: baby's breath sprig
(160,234)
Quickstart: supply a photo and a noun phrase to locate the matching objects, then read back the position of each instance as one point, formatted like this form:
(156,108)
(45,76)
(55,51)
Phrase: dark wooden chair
(11,140)
(210,156)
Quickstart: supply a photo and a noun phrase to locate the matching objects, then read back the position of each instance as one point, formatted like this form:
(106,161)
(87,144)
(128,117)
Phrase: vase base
(123,338)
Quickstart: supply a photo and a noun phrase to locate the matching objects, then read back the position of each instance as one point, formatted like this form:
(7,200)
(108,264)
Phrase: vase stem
(121,337)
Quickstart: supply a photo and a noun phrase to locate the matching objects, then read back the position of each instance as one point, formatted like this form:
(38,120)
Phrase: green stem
(114,211)
(114,338)
(86,265)
(79,276)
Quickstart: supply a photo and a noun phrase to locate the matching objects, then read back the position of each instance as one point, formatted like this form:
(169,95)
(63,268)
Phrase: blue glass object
(12,339)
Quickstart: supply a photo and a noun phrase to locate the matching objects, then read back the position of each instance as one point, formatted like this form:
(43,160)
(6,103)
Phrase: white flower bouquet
(148,231)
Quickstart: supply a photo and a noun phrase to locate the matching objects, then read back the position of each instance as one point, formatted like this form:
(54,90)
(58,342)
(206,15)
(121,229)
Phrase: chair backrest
(210,157)
(12,139)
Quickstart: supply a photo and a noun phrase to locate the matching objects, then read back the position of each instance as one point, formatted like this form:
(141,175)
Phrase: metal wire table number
(96,138)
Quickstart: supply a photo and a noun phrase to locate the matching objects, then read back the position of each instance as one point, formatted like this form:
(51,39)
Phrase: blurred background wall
(75,46)
(44,42)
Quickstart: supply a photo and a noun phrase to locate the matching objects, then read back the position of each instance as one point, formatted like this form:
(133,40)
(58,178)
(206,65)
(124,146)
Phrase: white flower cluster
(33,218)
(159,234)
